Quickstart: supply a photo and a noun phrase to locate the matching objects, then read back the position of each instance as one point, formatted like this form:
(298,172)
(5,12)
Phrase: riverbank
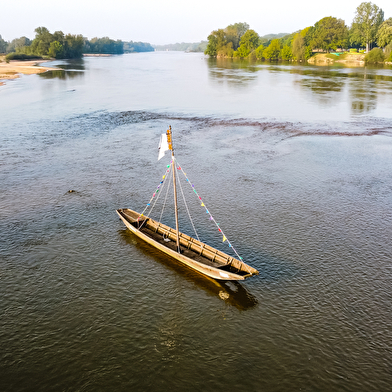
(14,69)
(357,59)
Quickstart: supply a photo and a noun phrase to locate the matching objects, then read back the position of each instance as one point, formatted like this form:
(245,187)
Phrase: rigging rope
(186,206)
(156,193)
(207,211)
(164,202)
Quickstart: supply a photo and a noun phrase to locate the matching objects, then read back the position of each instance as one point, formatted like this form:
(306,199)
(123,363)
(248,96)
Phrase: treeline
(103,45)
(368,29)
(184,47)
(130,47)
(56,45)
(61,46)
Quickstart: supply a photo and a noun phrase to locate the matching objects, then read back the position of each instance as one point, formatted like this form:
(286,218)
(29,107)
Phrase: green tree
(3,45)
(73,46)
(366,22)
(226,50)
(223,42)
(388,52)
(272,52)
(17,44)
(259,52)
(41,42)
(56,50)
(307,34)
(384,35)
(286,53)
(301,44)
(131,46)
(235,32)
(376,55)
(248,43)
(299,47)
(329,33)
(216,40)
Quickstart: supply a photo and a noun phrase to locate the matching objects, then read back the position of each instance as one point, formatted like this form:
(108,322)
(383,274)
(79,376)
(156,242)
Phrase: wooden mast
(170,143)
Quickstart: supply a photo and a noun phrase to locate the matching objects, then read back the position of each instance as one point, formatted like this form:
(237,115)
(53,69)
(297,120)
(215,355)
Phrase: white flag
(163,146)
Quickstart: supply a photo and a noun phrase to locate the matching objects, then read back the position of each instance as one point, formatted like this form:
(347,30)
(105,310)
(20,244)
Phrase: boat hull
(215,272)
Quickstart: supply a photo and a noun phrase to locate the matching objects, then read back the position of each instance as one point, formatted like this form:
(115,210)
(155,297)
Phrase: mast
(170,143)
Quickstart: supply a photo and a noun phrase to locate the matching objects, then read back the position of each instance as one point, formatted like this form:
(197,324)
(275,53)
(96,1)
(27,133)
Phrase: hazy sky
(170,21)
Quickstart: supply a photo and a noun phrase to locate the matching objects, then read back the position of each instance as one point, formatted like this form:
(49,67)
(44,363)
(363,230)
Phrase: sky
(162,22)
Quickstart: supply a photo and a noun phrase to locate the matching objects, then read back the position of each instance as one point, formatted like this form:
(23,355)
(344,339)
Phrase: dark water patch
(38,137)
(105,121)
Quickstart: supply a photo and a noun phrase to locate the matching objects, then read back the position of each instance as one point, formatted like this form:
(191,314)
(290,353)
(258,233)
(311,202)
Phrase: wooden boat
(185,249)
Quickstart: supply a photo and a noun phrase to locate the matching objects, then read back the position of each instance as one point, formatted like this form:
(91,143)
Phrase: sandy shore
(14,68)
(354,59)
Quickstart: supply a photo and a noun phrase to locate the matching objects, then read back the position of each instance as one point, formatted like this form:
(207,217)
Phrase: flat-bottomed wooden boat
(189,251)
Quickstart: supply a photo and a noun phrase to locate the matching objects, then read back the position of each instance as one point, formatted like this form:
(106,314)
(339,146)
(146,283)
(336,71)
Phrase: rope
(164,202)
(207,211)
(186,206)
(163,184)
(156,193)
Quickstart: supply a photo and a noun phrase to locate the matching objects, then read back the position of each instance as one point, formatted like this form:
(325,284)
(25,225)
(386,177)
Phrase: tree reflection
(326,89)
(234,72)
(328,84)
(363,97)
(69,69)
(63,75)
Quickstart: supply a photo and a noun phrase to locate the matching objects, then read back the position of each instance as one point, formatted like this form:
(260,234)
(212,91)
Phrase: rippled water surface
(294,162)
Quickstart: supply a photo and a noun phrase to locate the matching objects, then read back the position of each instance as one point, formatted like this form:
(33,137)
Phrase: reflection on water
(72,64)
(233,293)
(363,97)
(63,75)
(70,69)
(235,72)
(327,84)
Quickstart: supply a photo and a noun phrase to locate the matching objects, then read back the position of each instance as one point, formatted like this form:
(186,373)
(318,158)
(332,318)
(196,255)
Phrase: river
(293,161)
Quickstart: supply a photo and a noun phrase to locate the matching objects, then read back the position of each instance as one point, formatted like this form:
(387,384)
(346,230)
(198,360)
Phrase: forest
(61,46)
(368,30)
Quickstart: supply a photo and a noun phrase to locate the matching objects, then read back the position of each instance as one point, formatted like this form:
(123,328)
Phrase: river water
(294,162)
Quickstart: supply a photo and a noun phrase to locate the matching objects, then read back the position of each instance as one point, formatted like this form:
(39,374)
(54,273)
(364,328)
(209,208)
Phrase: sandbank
(14,68)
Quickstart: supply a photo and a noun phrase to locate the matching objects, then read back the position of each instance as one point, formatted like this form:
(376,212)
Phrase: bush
(376,55)
(388,52)
(21,56)
(259,52)
(353,50)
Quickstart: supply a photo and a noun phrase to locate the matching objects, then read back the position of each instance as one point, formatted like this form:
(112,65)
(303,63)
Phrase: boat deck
(190,247)
(185,251)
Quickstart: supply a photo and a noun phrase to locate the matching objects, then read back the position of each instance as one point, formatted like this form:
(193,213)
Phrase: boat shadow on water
(232,292)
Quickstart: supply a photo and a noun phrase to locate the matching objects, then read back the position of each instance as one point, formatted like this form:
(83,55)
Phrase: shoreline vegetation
(58,45)
(329,36)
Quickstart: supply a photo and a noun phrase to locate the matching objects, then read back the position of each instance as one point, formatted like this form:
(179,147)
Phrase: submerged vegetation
(368,29)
